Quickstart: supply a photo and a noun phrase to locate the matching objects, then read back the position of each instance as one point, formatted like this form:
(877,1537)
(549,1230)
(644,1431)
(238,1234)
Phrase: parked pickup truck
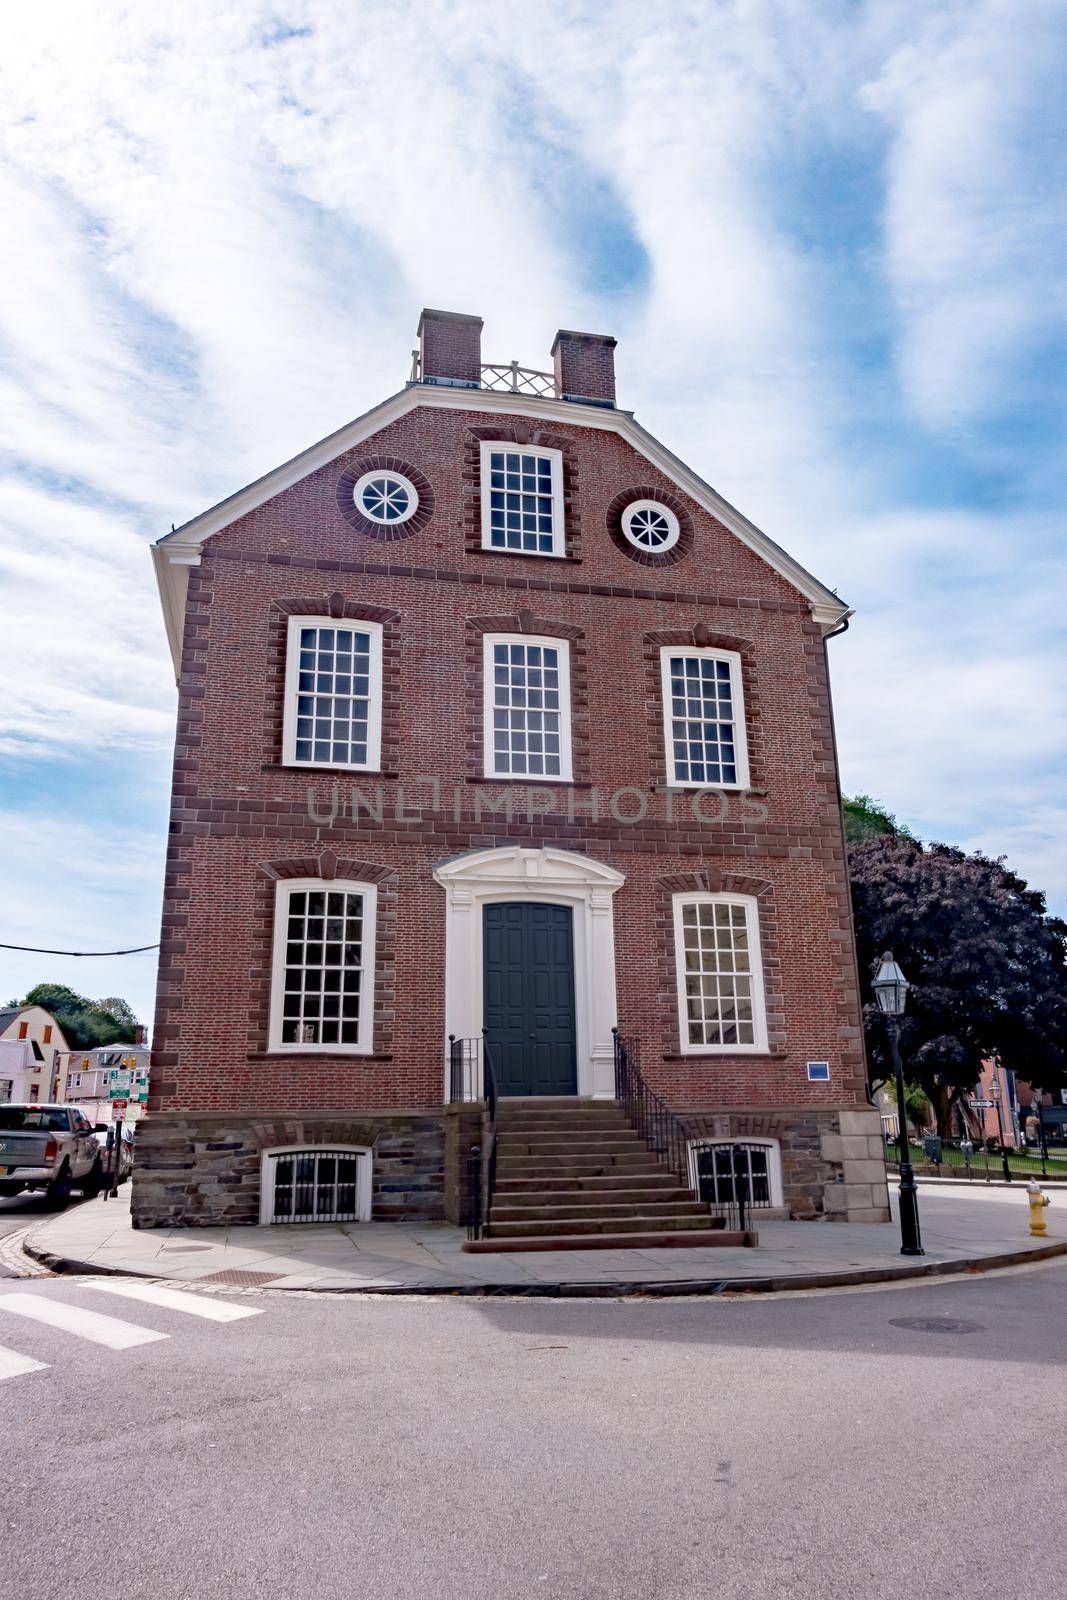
(47,1147)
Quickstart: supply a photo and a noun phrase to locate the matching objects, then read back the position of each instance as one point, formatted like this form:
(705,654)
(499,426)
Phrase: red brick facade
(241,820)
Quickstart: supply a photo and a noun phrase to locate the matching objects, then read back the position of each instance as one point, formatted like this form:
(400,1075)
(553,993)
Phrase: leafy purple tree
(987,965)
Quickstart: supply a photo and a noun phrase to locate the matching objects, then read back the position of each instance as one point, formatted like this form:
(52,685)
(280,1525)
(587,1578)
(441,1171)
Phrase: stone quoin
(494,580)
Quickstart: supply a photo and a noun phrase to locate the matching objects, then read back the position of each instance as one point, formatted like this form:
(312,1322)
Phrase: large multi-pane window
(720,975)
(333,694)
(322,990)
(704,719)
(527,707)
(522,500)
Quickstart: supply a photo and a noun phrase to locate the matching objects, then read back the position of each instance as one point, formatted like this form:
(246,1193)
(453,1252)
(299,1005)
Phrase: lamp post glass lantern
(891,992)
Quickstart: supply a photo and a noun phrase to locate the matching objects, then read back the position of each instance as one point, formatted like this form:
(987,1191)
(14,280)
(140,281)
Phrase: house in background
(94,1078)
(31,1045)
(499,730)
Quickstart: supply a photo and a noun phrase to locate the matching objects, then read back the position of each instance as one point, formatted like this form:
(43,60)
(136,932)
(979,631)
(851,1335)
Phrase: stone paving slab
(962,1231)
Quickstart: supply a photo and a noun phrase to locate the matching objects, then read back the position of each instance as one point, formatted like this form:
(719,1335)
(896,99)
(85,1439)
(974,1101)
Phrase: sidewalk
(961,1232)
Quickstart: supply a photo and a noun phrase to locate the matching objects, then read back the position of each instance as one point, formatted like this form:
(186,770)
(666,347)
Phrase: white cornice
(180,549)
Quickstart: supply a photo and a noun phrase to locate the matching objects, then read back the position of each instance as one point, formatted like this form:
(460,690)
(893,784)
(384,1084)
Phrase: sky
(829,238)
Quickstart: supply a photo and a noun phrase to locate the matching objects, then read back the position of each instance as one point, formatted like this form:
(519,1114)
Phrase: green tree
(918,1106)
(865,818)
(84,1022)
(987,965)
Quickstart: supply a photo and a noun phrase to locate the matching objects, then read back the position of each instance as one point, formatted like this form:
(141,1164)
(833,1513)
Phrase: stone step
(586,1166)
(584,1145)
(598,1224)
(568,1136)
(561,1210)
(508,1104)
(660,1184)
(589,1122)
(693,1238)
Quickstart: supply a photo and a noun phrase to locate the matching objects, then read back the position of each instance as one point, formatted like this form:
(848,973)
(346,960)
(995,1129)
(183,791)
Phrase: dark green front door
(529,998)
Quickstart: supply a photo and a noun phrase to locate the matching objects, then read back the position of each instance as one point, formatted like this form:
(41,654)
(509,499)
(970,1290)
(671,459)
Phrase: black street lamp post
(891,991)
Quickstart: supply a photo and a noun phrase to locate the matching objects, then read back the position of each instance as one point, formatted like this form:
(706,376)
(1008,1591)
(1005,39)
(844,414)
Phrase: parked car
(48,1147)
(101,1131)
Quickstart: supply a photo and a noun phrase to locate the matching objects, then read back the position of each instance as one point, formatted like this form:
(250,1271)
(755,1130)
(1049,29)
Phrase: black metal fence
(472,1077)
(979,1165)
(464,1070)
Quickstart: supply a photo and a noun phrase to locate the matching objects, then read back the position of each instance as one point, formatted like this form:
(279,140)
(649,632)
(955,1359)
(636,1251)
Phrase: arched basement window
(319,1183)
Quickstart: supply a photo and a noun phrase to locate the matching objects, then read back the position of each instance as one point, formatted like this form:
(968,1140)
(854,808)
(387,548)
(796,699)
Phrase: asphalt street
(820,1445)
(20,1212)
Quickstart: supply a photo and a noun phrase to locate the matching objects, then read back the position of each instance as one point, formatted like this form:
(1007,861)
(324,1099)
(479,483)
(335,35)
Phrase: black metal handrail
(664,1133)
(492,1104)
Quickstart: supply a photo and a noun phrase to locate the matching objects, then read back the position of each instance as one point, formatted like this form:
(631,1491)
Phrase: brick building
(495,719)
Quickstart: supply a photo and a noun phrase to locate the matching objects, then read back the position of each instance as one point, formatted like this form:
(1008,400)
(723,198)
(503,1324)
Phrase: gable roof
(179,550)
(10,1015)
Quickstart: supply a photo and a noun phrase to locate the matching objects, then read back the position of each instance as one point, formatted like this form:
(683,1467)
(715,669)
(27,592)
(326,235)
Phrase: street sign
(118,1110)
(118,1086)
(982,1105)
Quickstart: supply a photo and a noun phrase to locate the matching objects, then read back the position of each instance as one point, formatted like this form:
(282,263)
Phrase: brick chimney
(585,367)
(450,346)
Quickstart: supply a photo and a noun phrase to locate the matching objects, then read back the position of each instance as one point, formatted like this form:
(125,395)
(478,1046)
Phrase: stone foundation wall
(203,1170)
(832,1163)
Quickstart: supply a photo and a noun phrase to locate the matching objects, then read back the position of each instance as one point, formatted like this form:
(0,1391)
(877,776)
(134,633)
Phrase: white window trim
(759,1007)
(373,762)
(559,544)
(774,1163)
(667,653)
(673,525)
(284,889)
(566,767)
(269,1162)
(398,477)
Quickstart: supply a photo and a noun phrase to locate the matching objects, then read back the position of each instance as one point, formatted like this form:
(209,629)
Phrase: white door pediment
(521,865)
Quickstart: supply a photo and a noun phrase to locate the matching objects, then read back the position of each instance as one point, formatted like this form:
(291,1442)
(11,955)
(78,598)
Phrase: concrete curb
(1017,1184)
(610,1291)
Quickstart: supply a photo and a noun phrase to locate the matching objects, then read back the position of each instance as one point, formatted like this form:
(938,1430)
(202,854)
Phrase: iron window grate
(316,1186)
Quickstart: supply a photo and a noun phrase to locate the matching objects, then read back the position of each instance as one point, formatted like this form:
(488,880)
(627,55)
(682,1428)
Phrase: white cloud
(223,245)
(974,200)
(82,649)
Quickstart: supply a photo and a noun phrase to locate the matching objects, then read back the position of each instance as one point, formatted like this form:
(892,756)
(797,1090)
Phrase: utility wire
(39,950)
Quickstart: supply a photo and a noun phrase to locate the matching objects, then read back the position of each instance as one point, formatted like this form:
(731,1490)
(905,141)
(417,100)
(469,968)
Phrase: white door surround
(553,877)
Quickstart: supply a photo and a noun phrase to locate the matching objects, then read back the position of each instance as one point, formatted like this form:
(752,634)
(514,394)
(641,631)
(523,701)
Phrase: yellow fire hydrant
(1038,1201)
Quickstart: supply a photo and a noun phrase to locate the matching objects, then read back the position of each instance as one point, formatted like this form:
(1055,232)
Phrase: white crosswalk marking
(108,1331)
(13,1365)
(157,1294)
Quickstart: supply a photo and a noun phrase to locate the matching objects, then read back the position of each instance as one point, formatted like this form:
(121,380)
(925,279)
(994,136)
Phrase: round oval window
(650,527)
(386,498)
